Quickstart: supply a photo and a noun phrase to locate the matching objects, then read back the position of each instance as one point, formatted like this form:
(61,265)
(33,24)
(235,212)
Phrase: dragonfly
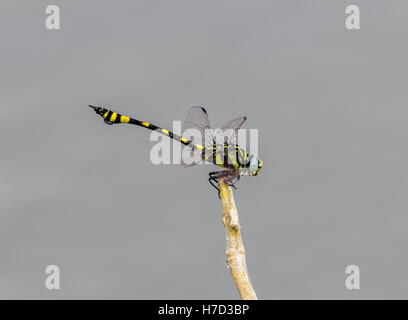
(206,146)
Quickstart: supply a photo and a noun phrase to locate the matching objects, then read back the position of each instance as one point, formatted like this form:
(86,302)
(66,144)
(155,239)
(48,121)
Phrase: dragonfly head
(255,165)
(99,110)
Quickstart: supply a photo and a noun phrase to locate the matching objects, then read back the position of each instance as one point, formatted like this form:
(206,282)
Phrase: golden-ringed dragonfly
(205,147)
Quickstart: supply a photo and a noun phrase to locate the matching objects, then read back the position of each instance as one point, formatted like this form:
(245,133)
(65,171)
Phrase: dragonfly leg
(230,180)
(226,175)
(212,180)
(214,176)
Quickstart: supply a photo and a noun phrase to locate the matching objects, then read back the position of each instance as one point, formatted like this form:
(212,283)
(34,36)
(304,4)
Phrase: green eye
(253,166)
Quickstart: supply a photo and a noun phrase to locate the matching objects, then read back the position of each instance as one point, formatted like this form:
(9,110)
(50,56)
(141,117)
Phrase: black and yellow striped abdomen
(111,117)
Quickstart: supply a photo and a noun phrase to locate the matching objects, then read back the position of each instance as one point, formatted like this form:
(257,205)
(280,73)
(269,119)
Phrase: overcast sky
(331,109)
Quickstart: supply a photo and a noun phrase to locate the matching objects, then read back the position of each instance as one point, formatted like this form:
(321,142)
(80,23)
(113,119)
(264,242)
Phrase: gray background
(330,106)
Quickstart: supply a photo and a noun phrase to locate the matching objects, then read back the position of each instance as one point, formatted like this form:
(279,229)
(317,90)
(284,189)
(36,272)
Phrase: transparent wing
(235,124)
(197,128)
(197,120)
(230,131)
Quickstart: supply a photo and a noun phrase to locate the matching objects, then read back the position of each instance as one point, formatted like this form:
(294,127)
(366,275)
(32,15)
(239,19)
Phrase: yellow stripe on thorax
(233,159)
(243,155)
(219,161)
(145,124)
(105,114)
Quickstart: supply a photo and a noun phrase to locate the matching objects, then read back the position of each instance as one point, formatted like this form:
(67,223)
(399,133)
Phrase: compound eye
(253,166)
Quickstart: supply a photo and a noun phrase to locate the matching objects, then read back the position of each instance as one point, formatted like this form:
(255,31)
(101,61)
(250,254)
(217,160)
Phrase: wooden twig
(235,251)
